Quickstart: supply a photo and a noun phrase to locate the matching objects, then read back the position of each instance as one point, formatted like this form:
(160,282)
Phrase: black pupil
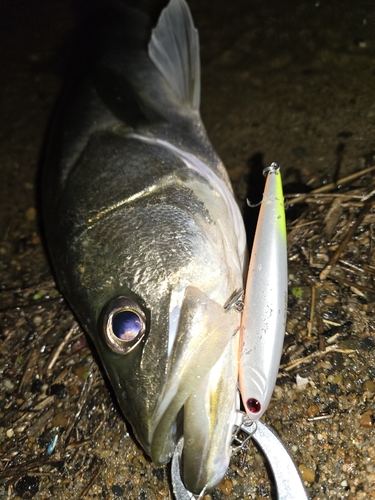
(126,325)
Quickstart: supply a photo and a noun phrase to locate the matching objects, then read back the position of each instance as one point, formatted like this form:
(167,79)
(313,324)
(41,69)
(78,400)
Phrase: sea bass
(145,237)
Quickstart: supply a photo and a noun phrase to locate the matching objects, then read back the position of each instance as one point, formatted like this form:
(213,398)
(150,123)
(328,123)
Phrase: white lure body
(264,315)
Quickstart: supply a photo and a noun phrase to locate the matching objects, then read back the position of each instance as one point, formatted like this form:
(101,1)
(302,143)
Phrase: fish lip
(204,332)
(206,465)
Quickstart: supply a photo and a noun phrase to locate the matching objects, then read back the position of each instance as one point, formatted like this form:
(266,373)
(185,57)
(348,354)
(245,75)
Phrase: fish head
(153,304)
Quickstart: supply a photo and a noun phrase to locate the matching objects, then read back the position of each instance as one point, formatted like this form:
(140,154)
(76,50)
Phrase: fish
(145,237)
(266,299)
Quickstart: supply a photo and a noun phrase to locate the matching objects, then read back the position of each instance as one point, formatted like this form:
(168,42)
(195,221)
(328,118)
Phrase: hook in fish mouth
(236,300)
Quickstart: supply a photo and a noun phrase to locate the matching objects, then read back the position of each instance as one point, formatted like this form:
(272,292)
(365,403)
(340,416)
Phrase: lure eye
(124,325)
(253,405)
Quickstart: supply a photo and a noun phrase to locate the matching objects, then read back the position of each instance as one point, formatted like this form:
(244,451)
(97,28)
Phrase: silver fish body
(147,242)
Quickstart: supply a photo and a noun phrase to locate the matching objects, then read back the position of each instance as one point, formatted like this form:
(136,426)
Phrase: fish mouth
(201,385)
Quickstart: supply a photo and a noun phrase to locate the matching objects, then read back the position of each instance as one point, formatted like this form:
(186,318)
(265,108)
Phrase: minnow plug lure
(265,305)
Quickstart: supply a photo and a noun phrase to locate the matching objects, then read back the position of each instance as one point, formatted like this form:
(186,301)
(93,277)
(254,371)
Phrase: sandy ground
(281,81)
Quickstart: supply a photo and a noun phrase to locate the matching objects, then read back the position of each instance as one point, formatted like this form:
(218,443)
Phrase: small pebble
(307,473)
(158,473)
(8,384)
(82,371)
(117,490)
(139,462)
(61,419)
(349,385)
(301,381)
(74,390)
(104,453)
(322,379)
(367,419)
(31,214)
(37,320)
(226,487)
(368,385)
(313,411)
(10,433)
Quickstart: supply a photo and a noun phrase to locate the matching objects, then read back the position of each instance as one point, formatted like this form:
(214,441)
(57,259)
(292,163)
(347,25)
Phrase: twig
(41,422)
(304,224)
(62,375)
(22,469)
(101,423)
(312,311)
(29,369)
(345,241)
(333,185)
(61,346)
(331,323)
(334,337)
(80,404)
(36,341)
(94,477)
(316,354)
(45,402)
(36,286)
(320,417)
(349,264)
(78,444)
(349,283)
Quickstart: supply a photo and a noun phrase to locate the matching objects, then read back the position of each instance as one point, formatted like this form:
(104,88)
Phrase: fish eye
(124,324)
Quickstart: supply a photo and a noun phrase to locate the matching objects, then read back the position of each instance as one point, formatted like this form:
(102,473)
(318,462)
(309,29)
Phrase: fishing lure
(264,314)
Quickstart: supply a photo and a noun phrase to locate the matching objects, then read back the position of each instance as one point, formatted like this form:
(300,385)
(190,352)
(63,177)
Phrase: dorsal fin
(174,49)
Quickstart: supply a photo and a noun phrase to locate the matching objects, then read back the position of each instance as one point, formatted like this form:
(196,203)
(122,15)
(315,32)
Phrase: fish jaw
(209,415)
(204,345)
